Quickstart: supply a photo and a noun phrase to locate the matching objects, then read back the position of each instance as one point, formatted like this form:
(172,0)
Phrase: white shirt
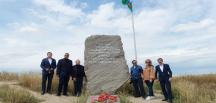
(50,60)
(161,67)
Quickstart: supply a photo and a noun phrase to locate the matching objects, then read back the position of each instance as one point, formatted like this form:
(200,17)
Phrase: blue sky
(183,32)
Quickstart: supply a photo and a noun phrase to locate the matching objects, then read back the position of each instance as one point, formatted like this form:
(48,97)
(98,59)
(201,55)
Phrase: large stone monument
(105,63)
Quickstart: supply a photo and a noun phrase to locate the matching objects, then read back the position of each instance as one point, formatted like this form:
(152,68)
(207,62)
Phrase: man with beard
(64,69)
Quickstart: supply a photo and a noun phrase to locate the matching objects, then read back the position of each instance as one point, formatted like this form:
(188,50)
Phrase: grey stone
(105,63)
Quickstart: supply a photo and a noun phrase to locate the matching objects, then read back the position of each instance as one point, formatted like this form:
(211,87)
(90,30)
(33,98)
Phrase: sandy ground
(157,99)
(47,98)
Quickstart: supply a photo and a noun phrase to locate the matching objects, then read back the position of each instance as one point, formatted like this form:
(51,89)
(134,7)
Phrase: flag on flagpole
(130,6)
(128,3)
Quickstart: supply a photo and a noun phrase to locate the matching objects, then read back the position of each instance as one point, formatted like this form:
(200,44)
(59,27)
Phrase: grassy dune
(11,95)
(186,89)
(33,82)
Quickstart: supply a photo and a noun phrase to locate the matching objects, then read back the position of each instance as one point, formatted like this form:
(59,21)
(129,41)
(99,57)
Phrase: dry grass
(5,76)
(186,89)
(12,95)
(195,89)
(33,82)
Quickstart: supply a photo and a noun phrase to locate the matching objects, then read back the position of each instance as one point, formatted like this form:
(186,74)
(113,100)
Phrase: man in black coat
(64,69)
(48,66)
(78,74)
(164,73)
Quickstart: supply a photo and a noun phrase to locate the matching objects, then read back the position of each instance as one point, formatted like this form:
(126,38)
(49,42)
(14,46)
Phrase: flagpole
(134,35)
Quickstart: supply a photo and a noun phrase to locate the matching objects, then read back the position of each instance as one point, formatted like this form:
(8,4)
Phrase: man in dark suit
(64,69)
(164,74)
(78,74)
(48,66)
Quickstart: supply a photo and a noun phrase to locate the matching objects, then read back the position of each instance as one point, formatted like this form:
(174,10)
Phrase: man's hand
(170,79)
(51,69)
(74,79)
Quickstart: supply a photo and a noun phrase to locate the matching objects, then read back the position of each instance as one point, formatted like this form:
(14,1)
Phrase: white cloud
(24,27)
(28,29)
(193,25)
(58,6)
(165,31)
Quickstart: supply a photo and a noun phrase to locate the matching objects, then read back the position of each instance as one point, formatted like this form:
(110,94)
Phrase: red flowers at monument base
(105,98)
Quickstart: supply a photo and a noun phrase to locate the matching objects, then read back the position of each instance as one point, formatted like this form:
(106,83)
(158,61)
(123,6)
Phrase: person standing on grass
(64,68)
(136,78)
(149,77)
(48,66)
(78,74)
(164,74)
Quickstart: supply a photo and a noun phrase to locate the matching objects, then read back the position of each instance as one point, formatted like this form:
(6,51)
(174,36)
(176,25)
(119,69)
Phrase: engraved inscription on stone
(103,54)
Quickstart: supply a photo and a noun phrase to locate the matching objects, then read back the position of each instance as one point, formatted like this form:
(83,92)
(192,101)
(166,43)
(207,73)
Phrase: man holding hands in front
(48,66)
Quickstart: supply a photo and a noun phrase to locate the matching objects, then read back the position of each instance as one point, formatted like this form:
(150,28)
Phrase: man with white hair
(78,74)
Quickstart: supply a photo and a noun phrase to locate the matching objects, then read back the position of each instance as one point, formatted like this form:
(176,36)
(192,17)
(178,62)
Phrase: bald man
(78,74)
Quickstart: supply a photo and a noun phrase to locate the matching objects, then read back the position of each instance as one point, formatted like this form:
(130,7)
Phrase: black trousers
(150,87)
(63,84)
(46,86)
(166,89)
(138,87)
(78,85)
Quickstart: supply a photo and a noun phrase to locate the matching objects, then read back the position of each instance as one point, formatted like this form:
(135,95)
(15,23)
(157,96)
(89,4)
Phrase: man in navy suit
(164,74)
(48,66)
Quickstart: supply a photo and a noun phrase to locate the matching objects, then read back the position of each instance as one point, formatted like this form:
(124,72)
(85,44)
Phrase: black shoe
(42,93)
(137,96)
(65,94)
(164,99)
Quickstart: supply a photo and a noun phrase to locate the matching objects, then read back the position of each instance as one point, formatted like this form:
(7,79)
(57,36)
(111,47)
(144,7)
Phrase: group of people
(65,71)
(149,74)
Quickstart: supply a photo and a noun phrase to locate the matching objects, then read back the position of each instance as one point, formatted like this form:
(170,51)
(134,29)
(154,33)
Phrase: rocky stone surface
(105,63)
